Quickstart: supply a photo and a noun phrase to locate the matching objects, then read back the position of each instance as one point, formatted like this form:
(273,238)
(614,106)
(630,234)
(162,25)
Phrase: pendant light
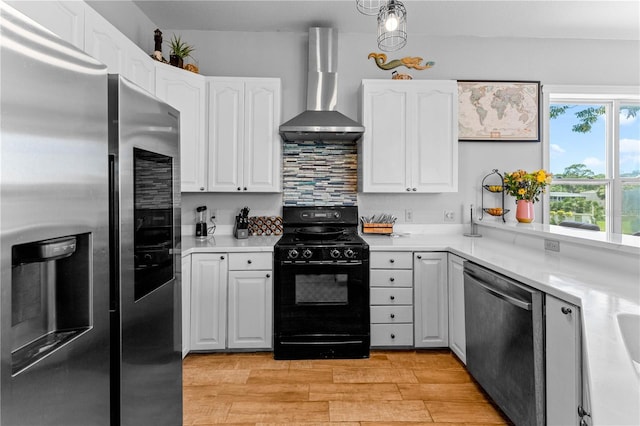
(392,26)
(369,7)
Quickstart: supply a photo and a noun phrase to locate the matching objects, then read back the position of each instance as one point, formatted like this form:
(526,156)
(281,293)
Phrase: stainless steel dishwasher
(505,342)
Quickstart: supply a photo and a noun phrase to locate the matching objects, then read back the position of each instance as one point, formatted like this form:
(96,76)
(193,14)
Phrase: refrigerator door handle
(114,264)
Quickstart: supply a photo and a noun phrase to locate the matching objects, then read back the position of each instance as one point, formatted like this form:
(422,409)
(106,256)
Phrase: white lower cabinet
(250,315)
(208,301)
(431,300)
(231,301)
(457,339)
(391,299)
(563,362)
(185,291)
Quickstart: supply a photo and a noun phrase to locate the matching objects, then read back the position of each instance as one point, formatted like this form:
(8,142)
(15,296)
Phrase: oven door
(329,299)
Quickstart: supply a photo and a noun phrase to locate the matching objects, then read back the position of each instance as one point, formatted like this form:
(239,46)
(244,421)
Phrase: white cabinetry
(563,361)
(391,282)
(411,141)
(63,18)
(431,300)
(104,42)
(243,142)
(185,292)
(457,339)
(250,323)
(186,92)
(208,300)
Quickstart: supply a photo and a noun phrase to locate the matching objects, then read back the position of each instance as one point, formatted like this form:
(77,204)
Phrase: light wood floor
(391,387)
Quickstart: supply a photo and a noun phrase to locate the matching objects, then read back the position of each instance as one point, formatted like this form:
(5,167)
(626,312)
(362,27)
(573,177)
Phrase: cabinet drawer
(391,278)
(391,334)
(391,260)
(250,261)
(391,296)
(391,314)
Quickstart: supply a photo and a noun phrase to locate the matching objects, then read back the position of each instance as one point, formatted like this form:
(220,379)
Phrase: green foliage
(587,116)
(180,48)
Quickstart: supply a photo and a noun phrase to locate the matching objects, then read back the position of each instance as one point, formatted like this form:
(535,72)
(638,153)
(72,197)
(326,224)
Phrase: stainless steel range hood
(321,121)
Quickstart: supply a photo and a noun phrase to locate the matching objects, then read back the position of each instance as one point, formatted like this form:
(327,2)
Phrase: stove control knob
(335,253)
(292,254)
(349,254)
(307,254)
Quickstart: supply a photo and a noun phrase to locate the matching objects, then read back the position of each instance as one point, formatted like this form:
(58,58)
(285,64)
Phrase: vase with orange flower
(527,188)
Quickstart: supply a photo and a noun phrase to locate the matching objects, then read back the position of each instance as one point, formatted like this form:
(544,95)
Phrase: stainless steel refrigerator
(89,280)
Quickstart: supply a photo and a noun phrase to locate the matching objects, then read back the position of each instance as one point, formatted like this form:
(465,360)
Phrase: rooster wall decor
(409,62)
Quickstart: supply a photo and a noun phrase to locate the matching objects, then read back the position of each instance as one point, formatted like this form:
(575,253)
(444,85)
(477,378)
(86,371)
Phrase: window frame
(612,97)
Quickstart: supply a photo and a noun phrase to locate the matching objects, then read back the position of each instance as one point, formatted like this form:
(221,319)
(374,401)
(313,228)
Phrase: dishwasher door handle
(507,298)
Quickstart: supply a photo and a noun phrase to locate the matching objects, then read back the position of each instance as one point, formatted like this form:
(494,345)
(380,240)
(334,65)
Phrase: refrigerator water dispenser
(50,296)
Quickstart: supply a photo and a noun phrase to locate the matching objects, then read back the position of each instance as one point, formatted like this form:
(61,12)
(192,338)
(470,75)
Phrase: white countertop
(601,290)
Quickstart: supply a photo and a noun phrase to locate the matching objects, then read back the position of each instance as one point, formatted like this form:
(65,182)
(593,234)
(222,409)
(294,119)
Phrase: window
(593,150)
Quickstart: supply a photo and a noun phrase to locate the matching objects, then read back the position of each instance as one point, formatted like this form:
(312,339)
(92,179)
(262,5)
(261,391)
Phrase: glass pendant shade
(392,26)
(369,7)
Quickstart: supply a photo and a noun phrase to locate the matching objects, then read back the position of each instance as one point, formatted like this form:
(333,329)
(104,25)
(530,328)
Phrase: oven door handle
(320,262)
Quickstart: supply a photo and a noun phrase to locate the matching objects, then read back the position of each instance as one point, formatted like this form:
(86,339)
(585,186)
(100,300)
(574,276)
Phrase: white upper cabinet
(186,92)
(411,138)
(244,145)
(63,18)
(104,42)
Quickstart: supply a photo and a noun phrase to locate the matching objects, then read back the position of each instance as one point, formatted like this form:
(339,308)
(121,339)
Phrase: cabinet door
(434,145)
(104,42)
(226,133)
(383,147)
(563,359)
(186,303)
(208,301)
(431,300)
(63,18)
(186,92)
(140,68)
(457,339)
(261,154)
(250,309)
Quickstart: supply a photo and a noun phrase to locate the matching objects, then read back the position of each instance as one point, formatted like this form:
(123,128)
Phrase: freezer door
(54,302)
(144,145)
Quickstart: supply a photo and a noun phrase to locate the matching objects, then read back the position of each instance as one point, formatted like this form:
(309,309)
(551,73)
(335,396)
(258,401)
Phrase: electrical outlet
(408,215)
(552,245)
(449,216)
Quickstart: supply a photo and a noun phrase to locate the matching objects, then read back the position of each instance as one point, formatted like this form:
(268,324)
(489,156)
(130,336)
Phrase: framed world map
(505,111)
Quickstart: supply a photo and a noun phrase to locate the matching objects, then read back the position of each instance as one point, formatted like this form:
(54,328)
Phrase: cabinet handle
(393,336)
(392,297)
(408,189)
(392,279)
(392,315)
(249,261)
(221,257)
(268,275)
(414,189)
(238,188)
(202,188)
(391,260)
(245,188)
(419,256)
(565,311)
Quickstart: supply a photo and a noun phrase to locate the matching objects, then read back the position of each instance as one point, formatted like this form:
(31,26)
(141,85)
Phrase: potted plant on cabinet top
(179,51)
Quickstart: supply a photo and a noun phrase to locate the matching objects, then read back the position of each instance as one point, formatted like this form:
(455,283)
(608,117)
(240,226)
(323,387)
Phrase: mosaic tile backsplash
(320,173)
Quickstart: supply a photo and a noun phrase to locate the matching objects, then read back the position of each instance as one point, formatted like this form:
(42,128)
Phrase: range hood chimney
(321,121)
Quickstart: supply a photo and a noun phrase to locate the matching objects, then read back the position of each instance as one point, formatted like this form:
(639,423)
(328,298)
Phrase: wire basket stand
(489,184)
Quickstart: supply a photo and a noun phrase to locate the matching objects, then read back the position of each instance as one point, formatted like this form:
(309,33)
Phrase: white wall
(284,55)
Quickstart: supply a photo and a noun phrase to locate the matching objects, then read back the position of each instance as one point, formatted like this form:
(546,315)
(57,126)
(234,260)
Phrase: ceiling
(587,19)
